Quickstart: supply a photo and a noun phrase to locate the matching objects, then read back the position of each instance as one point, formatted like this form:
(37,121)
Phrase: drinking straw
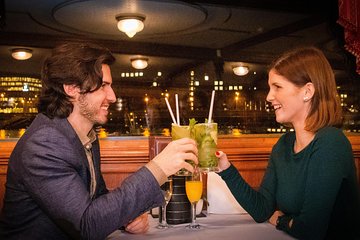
(211,106)
(171,112)
(177,109)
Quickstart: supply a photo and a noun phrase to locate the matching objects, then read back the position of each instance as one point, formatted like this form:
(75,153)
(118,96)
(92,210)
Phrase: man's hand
(139,225)
(173,157)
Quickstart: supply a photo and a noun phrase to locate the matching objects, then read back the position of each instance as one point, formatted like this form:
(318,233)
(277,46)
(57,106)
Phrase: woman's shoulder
(331,134)
(330,130)
(332,138)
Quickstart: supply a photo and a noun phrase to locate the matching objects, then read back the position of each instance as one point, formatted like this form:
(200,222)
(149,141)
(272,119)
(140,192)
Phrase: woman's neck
(302,139)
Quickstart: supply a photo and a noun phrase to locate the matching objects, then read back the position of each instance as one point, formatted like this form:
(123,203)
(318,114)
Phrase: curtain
(349,19)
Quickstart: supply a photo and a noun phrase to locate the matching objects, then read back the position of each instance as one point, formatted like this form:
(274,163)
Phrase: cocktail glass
(178,132)
(167,190)
(206,139)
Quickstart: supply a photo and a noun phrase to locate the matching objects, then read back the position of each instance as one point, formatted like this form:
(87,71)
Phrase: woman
(309,189)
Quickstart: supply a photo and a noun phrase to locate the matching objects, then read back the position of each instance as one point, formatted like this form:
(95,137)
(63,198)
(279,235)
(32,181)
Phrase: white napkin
(220,198)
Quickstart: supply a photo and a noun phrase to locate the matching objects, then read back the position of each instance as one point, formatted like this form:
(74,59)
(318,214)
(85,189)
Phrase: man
(54,187)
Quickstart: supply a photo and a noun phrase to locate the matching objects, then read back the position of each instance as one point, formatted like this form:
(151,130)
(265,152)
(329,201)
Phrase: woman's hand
(139,225)
(223,160)
(173,157)
(274,217)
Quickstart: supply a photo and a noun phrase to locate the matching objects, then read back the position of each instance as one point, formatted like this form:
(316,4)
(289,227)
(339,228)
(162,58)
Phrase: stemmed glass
(167,190)
(193,187)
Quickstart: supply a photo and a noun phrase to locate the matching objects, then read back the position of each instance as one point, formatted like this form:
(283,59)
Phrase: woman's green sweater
(316,187)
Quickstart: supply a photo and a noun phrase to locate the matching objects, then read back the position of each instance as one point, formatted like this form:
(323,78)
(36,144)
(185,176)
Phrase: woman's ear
(71,90)
(309,91)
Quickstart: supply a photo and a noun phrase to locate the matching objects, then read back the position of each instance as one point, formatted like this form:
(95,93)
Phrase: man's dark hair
(77,64)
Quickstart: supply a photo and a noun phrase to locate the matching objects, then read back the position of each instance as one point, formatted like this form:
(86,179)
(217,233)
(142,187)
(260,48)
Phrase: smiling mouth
(276,107)
(105,107)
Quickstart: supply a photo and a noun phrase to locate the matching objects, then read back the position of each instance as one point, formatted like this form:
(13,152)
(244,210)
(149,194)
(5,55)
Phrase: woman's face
(287,100)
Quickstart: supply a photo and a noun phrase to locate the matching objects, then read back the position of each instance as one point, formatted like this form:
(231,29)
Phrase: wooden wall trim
(122,156)
(128,149)
(135,152)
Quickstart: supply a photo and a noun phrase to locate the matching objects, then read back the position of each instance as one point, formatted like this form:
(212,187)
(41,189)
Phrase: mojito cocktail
(206,139)
(178,132)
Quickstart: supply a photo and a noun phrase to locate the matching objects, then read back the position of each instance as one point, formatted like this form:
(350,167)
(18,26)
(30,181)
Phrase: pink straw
(211,106)
(171,112)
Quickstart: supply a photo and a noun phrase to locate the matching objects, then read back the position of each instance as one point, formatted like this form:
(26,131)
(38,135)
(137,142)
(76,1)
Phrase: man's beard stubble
(89,111)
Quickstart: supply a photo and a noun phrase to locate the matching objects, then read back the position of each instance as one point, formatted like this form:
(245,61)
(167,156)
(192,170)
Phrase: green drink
(206,139)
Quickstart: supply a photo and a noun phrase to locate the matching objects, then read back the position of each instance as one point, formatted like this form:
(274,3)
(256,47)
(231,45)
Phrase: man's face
(94,106)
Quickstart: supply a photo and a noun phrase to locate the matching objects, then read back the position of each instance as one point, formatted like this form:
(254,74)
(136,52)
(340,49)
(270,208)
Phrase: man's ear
(71,90)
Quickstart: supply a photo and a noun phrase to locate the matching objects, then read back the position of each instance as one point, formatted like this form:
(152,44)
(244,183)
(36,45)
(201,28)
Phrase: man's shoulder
(46,130)
(44,124)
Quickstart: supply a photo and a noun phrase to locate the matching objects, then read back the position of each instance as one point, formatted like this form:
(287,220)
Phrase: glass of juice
(193,188)
(206,139)
(178,132)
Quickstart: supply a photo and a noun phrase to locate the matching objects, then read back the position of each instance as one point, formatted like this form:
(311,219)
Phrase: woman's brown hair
(309,64)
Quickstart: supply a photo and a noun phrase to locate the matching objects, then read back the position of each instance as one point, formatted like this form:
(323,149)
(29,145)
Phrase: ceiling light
(21,53)
(130,24)
(241,70)
(139,63)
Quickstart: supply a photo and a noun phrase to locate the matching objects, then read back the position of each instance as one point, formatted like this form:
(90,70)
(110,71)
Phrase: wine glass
(167,189)
(193,188)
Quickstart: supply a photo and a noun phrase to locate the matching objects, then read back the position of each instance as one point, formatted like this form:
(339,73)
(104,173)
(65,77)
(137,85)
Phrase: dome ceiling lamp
(130,24)
(139,63)
(241,70)
(21,53)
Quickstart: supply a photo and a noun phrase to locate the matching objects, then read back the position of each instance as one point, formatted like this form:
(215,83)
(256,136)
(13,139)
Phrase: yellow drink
(178,132)
(193,190)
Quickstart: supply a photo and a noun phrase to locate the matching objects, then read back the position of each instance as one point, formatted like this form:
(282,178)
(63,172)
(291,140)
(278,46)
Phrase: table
(214,226)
